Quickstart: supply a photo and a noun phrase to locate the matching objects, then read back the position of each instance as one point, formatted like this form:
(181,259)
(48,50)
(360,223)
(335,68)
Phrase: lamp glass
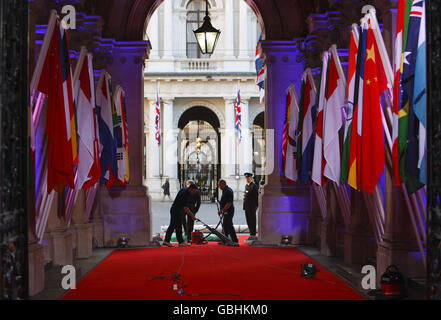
(207,36)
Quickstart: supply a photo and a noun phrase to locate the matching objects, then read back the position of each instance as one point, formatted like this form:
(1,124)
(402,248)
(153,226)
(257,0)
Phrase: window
(195,18)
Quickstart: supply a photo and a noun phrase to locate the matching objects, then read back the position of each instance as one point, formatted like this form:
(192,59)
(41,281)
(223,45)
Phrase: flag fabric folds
(105,125)
(289,140)
(319,162)
(419,97)
(238,121)
(307,134)
(351,95)
(372,155)
(121,138)
(260,71)
(335,98)
(356,132)
(88,170)
(409,153)
(399,39)
(53,77)
(158,116)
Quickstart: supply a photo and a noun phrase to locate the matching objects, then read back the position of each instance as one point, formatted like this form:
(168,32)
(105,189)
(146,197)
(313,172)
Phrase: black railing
(205,177)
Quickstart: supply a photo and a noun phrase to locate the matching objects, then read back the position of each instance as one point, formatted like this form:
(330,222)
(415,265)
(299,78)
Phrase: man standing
(194,205)
(227,209)
(250,203)
(179,207)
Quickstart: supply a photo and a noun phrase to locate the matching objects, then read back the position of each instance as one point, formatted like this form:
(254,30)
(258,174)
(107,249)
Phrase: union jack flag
(238,116)
(158,117)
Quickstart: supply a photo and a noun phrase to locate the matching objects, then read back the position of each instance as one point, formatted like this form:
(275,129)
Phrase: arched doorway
(199,150)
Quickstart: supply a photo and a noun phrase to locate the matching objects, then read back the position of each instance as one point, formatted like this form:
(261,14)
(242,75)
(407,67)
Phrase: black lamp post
(207,35)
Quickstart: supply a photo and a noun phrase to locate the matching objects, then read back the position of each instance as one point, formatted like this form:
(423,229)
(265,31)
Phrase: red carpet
(210,271)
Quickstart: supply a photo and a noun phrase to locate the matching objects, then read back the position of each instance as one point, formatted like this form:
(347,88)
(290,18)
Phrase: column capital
(230,100)
(281,51)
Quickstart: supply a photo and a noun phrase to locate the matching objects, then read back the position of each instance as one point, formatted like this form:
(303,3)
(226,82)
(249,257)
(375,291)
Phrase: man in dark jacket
(250,203)
(194,205)
(227,209)
(179,207)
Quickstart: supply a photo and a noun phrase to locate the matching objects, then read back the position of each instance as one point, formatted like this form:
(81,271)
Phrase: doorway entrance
(199,150)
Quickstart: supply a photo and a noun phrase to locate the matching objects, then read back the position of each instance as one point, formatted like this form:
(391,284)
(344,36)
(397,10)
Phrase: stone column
(228,141)
(170,146)
(329,227)
(284,208)
(168,29)
(57,239)
(243,30)
(359,242)
(153,35)
(126,210)
(247,144)
(81,227)
(229,29)
(153,154)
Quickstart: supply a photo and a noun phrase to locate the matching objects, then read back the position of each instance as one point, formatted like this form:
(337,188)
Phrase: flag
(419,95)
(105,125)
(349,110)
(260,71)
(372,141)
(335,98)
(120,131)
(158,116)
(356,130)
(300,125)
(238,122)
(396,93)
(289,140)
(53,77)
(309,113)
(318,160)
(411,151)
(88,171)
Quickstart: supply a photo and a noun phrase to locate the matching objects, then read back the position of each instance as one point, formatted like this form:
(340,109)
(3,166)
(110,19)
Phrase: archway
(199,150)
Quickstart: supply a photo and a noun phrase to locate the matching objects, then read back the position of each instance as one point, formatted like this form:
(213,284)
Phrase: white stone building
(198,95)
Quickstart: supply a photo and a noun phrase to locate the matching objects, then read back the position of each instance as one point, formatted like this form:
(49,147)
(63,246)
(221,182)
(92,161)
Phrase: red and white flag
(53,77)
(319,162)
(290,132)
(333,118)
(89,170)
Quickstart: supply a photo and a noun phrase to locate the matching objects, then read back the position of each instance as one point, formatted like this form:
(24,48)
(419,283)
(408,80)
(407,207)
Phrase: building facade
(198,94)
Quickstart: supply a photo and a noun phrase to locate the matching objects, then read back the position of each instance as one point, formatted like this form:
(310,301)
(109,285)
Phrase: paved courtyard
(207,213)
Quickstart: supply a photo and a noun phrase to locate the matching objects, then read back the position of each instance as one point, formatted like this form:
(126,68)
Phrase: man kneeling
(180,207)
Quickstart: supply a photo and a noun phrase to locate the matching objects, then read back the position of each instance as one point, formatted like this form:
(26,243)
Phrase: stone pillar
(170,146)
(168,29)
(153,35)
(358,240)
(246,146)
(229,29)
(228,143)
(283,208)
(329,227)
(57,239)
(243,30)
(126,210)
(81,227)
(314,223)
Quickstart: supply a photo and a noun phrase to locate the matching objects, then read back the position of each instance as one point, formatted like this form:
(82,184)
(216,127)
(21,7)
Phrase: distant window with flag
(260,71)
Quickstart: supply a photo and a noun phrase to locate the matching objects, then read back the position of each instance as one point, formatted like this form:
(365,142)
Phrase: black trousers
(175,225)
(227,224)
(188,224)
(250,216)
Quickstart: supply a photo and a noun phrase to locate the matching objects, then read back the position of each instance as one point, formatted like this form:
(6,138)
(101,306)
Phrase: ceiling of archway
(283,19)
